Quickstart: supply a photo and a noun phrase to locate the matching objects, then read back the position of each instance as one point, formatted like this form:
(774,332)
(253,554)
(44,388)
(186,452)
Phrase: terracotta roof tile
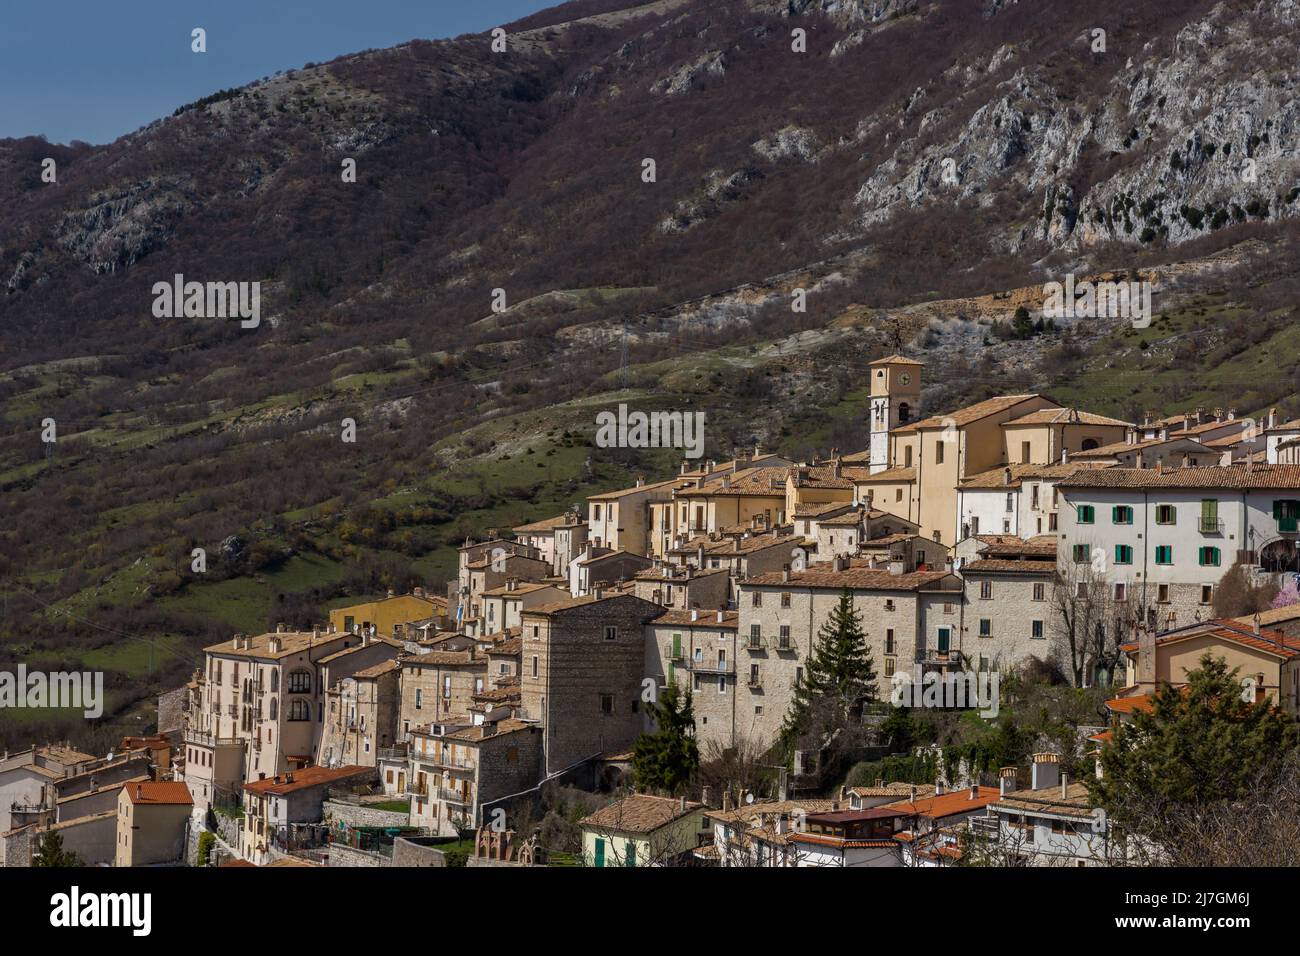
(302,779)
(969,414)
(639,813)
(160,792)
(1265,477)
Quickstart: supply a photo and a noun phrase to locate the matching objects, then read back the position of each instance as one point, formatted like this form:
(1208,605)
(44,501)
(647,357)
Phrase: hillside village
(498,721)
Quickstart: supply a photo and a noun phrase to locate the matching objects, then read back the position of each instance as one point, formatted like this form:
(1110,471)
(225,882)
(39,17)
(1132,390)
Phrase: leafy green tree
(898,731)
(668,758)
(1022,326)
(51,852)
(838,679)
(1197,746)
(206,842)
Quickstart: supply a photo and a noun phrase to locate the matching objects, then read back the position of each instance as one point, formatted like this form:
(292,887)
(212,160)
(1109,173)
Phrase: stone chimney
(1146,669)
(1006,781)
(1046,771)
(726,800)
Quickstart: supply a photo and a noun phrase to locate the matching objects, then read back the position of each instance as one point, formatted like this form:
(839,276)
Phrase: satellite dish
(749,798)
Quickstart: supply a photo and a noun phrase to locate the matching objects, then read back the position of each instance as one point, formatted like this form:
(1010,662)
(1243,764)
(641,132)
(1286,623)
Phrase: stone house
(582,668)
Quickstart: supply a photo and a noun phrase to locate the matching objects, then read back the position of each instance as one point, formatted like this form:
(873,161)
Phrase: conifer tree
(1196,745)
(839,678)
(667,759)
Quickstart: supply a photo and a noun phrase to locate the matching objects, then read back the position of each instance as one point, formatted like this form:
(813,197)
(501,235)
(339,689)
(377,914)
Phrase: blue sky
(95,69)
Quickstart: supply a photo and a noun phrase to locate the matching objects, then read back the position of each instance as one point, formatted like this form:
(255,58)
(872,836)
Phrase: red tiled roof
(877,579)
(969,414)
(948,804)
(1213,476)
(1005,566)
(302,779)
(1268,640)
(159,792)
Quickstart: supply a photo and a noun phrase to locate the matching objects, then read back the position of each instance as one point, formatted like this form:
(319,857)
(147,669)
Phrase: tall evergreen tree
(50,852)
(839,678)
(1196,745)
(667,759)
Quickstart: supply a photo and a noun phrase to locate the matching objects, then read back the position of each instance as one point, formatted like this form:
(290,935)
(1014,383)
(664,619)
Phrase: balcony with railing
(672,653)
(710,667)
(434,760)
(454,797)
(931,655)
(202,738)
(1211,525)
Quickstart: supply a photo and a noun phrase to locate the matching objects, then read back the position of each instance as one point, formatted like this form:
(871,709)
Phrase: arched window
(904,412)
(1089,444)
(275,681)
(275,708)
(299,709)
(300,682)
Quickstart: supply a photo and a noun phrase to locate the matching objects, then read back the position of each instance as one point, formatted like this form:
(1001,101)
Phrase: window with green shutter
(1287,513)
(1166,514)
(631,853)
(1082,553)
(1085,514)
(1123,554)
(1121,514)
(600,851)
(1210,557)
(1164,554)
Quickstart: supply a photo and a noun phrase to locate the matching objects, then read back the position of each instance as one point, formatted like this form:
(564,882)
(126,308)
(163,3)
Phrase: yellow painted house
(643,830)
(389,613)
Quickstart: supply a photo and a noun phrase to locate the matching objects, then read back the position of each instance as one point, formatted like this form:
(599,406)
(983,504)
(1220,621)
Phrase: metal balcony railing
(453,763)
(711,667)
(929,655)
(1211,526)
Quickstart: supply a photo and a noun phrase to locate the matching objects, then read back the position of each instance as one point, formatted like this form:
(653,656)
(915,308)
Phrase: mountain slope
(523,172)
